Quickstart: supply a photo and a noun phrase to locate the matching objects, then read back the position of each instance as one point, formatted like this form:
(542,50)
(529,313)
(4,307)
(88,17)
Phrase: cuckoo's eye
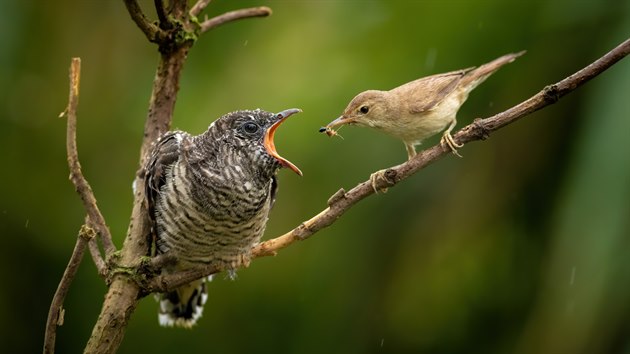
(250,127)
(364,109)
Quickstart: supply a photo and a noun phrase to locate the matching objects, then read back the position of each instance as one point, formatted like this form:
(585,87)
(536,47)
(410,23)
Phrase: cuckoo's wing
(274,189)
(165,153)
(431,90)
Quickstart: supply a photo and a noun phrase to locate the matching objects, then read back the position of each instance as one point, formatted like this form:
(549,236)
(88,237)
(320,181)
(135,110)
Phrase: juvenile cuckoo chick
(209,198)
(418,109)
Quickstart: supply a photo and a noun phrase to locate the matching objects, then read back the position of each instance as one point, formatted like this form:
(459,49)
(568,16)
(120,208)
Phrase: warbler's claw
(374,177)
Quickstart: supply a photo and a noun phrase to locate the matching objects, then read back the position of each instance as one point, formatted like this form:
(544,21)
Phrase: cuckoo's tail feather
(183,306)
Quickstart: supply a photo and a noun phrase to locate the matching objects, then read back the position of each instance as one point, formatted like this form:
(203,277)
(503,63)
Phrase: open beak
(268,141)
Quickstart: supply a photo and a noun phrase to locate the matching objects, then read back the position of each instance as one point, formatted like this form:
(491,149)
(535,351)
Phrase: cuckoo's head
(250,135)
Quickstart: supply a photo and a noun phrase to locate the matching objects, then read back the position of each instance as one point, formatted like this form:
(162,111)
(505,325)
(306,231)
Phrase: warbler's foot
(447,139)
(374,177)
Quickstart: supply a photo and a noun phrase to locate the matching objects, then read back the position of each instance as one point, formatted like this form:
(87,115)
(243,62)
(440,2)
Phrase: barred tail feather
(184,306)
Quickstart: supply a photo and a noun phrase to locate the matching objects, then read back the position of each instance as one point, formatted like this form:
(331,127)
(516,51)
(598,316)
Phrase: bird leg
(447,139)
(411,150)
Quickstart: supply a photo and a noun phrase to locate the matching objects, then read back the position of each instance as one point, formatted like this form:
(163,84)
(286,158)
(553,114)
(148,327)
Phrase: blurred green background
(519,247)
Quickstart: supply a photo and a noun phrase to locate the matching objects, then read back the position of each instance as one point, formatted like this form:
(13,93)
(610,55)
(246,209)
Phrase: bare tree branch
(262,11)
(342,201)
(81,185)
(56,311)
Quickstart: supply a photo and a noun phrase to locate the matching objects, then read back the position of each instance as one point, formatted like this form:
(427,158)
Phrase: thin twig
(198,7)
(168,282)
(56,311)
(262,11)
(161,14)
(151,31)
(552,93)
(178,8)
(95,252)
(81,185)
(99,262)
(342,201)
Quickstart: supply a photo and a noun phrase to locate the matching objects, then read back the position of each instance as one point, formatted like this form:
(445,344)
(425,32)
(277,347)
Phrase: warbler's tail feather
(480,74)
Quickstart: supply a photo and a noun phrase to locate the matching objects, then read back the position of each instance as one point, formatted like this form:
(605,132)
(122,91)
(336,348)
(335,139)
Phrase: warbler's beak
(271,131)
(339,121)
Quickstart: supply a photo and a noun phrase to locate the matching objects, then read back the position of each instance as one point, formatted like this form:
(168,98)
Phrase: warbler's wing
(425,93)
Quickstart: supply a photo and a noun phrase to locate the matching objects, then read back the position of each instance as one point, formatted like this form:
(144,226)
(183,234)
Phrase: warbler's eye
(250,127)
(364,109)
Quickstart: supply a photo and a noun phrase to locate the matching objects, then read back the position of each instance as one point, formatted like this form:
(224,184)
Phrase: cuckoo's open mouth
(269,134)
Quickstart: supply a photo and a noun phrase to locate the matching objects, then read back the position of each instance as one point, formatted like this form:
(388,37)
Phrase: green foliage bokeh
(519,247)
